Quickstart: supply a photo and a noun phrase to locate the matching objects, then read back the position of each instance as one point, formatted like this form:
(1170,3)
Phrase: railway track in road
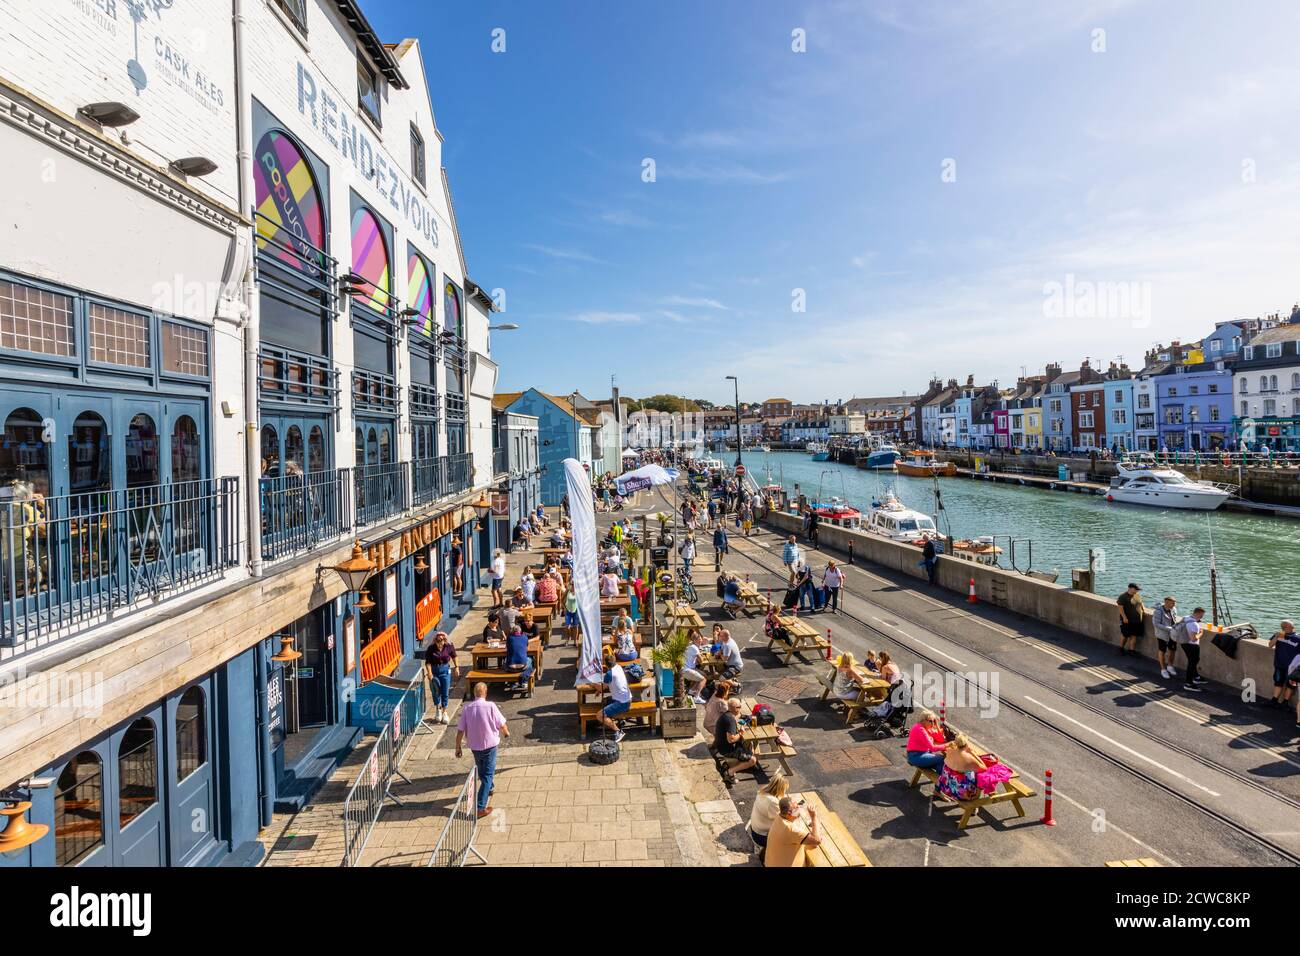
(1062,729)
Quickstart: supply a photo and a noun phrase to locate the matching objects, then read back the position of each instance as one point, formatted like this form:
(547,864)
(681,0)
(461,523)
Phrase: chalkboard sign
(275,706)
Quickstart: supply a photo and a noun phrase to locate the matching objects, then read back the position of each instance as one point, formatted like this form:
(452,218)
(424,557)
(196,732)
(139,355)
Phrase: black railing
(381,491)
(460,473)
(428,480)
(288,375)
(304,510)
(74,558)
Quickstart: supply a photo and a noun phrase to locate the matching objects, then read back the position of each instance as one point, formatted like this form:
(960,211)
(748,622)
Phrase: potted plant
(677,713)
(665,539)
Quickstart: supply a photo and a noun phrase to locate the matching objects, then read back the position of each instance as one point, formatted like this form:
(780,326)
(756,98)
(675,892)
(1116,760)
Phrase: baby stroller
(890,716)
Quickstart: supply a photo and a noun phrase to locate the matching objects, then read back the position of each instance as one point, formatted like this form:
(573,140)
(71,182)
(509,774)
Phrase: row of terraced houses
(240,347)
(1239,387)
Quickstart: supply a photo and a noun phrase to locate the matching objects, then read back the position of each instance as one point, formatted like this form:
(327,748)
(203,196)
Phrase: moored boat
(1141,484)
(837,512)
(923,464)
(820,451)
(890,518)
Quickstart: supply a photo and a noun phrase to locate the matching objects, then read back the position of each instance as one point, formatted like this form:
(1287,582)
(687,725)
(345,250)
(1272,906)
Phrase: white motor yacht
(889,518)
(1143,484)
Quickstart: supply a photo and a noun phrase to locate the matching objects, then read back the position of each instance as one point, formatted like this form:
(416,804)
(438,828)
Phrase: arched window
(419,294)
(90,455)
(370,261)
(1263,383)
(372,447)
(290,219)
(316,449)
(1245,409)
(385,452)
(1244,385)
(79,809)
(142,465)
(451,309)
(1272,382)
(137,770)
(186,464)
(24,458)
(191,734)
(270,452)
(361,447)
(293,451)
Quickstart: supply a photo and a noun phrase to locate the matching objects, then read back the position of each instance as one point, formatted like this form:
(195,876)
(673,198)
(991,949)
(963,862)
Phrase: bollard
(943,713)
(828,643)
(1047,800)
(971,598)
(850,552)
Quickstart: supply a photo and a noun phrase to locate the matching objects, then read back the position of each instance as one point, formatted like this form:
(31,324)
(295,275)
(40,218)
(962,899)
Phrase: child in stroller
(890,715)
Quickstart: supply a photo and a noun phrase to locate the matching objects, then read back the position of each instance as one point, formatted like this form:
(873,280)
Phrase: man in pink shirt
(482,725)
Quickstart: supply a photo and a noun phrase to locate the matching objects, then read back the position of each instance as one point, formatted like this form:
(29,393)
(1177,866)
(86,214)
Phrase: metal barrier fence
(374,784)
(456,843)
(69,558)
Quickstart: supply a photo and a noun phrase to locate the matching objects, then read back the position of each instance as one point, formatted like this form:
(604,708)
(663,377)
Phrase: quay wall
(1081,612)
(1275,486)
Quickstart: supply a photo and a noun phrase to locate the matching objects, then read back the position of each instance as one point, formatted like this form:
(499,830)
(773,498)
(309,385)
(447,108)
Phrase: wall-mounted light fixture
(19,833)
(112,114)
(192,166)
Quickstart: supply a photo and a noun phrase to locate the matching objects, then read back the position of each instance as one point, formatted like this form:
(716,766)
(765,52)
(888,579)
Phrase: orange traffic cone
(971,598)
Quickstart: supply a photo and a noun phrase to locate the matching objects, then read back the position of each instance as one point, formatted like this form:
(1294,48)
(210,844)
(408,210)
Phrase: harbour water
(1166,551)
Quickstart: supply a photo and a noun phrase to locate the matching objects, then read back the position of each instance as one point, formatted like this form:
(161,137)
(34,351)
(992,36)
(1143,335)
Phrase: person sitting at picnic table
(521,533)
(620,695)
(789,839)
(872,663)
(609,585)
(625,645)
(888,669)
(492,630)
(548,588)
(730,654)
(960,765)
(926,743)
(517,658)
(731,593)
(693,677)
(541,516)
(566,560)
(622,620)
(527,624)
(557,538)
(772,627)
(528,584)
(729,743)
(716,705)
(847,684)
(767,807)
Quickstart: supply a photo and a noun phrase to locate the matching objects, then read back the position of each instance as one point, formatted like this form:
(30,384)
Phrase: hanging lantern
(365,604)
(286,653)
(18,832)
(355,569)
(421,565)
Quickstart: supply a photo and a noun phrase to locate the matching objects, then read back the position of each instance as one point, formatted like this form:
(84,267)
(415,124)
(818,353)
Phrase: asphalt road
(1141,770)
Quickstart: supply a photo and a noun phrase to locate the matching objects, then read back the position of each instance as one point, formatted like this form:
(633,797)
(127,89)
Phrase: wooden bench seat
(496,675)
(1013,791)
(837,848)
(592,700)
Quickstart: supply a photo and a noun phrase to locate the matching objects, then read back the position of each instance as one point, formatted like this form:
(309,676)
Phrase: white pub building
(237,338)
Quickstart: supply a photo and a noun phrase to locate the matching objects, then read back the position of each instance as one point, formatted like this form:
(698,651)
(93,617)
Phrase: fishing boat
(891,519)
(837,512)
(923,464)
(1139,483)
(819,450)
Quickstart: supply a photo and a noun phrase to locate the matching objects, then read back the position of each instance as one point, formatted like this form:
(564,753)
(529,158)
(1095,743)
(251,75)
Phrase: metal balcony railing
(460,473)
(301,511)
(69,559)
(428,480)
(381,491)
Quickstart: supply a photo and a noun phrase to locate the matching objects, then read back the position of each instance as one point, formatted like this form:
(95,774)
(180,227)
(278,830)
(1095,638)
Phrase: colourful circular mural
(451,307)
(291,223)
(419,293)
(370,261)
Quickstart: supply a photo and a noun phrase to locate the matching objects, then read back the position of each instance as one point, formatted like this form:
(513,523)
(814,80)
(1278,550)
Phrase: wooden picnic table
(838,848)
(710,664)
(1013,791)
(544,618)
(803,637)
(871,691)
(684,617)
(752,598)
(762,739)
(609,607)
(489,656)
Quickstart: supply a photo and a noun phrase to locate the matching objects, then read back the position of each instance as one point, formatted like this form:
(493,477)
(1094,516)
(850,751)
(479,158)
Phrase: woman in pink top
(926,743)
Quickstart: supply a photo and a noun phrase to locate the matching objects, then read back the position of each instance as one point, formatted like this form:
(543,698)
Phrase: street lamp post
(739,442)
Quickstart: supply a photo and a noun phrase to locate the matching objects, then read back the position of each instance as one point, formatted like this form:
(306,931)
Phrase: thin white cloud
(696,303)
(606,318)
(720,173)
(569,255)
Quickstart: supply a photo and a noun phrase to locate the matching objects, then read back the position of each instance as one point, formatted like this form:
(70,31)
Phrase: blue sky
(1162,173)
